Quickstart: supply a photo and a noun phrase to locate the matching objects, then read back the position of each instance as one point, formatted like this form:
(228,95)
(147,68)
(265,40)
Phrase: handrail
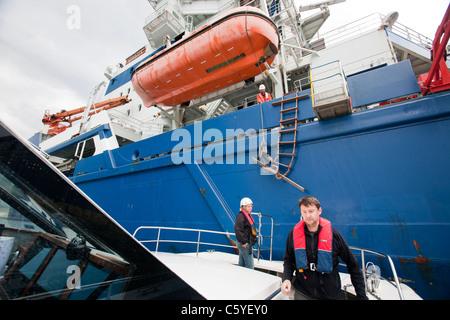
(260,236)
(228,234)
(198,242)
(200,231)
(369,23)
(391,263)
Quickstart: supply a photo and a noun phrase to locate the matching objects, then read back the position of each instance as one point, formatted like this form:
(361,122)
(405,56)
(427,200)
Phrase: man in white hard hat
(245,234)
(263,96)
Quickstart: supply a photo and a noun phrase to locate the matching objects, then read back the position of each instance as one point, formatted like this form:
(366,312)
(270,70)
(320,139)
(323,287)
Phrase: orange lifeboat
(230,49)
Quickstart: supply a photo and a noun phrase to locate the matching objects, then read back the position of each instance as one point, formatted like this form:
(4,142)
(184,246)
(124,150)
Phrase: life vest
(324,252)
(251,222)
(264,98)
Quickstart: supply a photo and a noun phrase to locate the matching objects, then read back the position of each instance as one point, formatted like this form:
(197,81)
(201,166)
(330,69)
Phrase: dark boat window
(55,243)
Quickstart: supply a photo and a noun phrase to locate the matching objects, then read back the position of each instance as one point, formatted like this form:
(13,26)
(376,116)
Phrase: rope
(254,53)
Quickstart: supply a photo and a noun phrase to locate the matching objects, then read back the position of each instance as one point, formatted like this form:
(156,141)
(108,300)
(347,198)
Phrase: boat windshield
(42,257)
(23,209)
(55,243)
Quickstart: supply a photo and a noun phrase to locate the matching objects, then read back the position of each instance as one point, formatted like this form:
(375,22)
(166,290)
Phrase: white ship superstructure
(303,61)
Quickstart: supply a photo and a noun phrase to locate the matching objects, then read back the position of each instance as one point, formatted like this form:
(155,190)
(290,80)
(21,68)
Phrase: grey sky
(47,65)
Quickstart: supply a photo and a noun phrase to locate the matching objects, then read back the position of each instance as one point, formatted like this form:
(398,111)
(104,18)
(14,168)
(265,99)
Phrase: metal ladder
(289,129)
(288,126)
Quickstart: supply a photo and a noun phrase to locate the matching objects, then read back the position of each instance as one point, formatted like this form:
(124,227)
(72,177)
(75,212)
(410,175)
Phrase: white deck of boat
(273,266)
(216,276)
(385,291)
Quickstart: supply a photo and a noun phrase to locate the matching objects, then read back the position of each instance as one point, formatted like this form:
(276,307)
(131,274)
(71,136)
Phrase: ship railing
(198,242)
(130,123)
(168,7)
(199,232)
(328,82)
(126,120)
(261,237)
(329,90)
(412,35)
(302,83)
(371,277)
(369,23)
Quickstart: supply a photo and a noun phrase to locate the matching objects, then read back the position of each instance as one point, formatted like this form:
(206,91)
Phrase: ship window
(81,150)
(85,149)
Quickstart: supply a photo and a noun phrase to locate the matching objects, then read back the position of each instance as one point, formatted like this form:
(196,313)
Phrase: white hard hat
(262,87)
(246,201)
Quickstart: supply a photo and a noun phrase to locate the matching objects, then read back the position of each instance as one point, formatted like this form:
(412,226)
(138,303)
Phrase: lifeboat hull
(228,50)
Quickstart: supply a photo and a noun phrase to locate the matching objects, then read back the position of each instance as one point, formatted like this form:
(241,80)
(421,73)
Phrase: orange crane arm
(53,120)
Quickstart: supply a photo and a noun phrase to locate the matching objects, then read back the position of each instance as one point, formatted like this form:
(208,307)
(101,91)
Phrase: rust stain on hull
(420,259)
(422,262)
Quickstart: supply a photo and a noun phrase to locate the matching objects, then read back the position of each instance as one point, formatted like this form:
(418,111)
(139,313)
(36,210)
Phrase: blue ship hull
(382,176)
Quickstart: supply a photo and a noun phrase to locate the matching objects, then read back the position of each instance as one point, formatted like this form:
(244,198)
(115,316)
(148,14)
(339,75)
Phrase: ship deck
(231,282)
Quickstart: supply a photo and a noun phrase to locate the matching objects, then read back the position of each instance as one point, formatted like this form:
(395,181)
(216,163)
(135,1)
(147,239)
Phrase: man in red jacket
(312,251)
(263,96)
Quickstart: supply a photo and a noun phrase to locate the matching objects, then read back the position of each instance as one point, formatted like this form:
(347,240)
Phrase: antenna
(319,5)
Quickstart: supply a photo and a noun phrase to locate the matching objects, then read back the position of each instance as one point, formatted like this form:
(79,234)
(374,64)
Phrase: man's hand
(286,287)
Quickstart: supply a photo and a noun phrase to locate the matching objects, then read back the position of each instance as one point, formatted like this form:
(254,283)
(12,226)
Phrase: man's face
(311,215)
(248,208)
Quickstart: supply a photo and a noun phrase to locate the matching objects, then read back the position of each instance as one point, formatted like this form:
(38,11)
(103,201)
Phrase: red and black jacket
(315,282)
